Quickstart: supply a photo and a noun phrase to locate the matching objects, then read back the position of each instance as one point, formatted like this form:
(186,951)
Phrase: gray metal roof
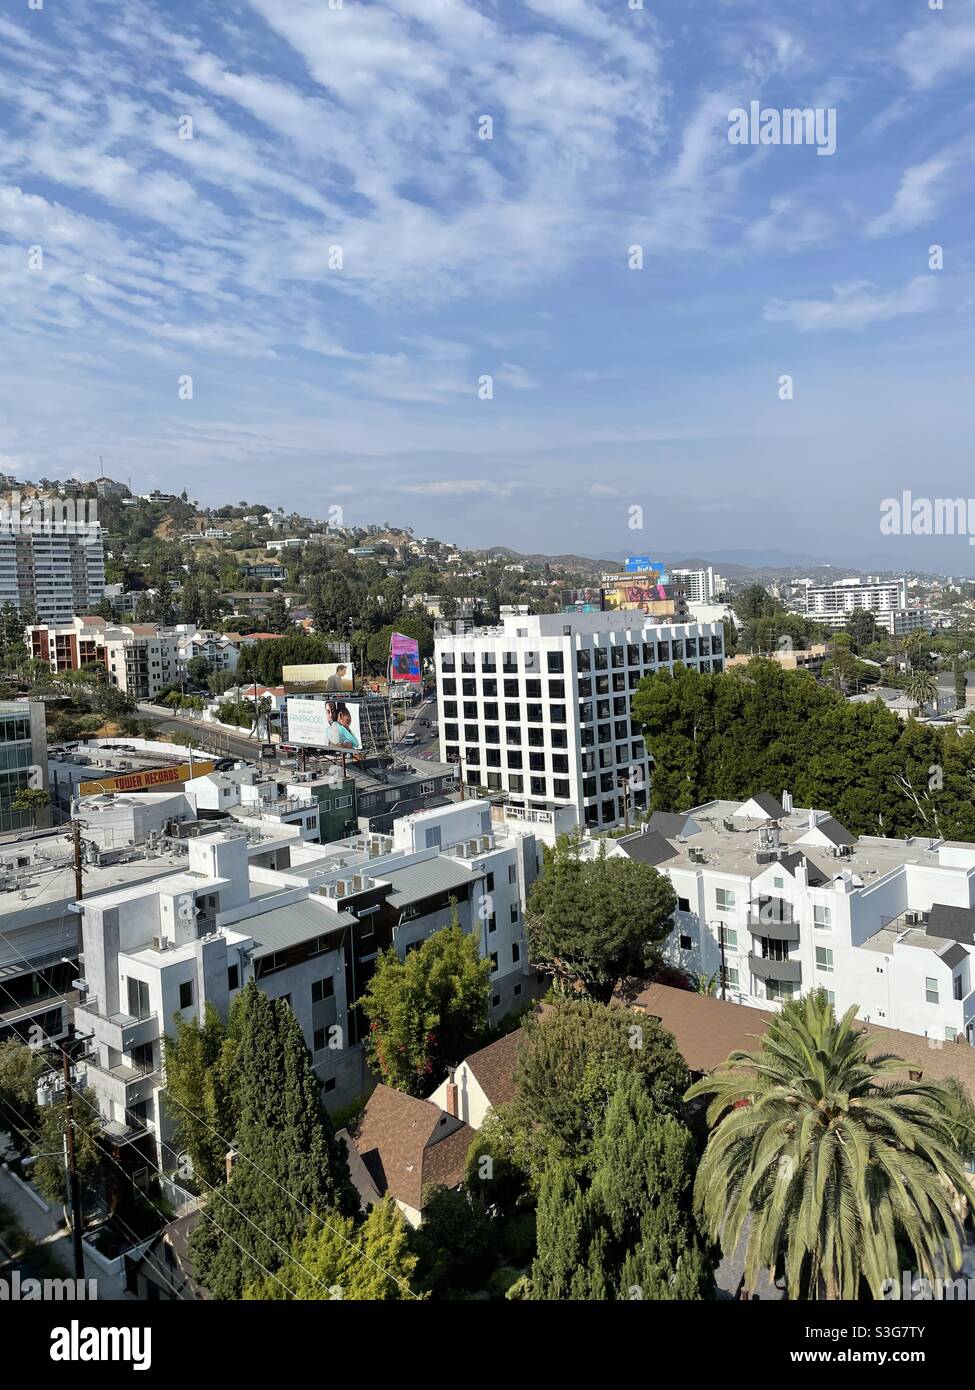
(289,926)
(424,880)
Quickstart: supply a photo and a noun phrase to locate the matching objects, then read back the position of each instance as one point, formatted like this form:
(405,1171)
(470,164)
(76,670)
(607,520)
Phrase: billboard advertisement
(153,779)
(404,659)
(582,601)
(323,678)
(637,564)
(642,596)
(330,724)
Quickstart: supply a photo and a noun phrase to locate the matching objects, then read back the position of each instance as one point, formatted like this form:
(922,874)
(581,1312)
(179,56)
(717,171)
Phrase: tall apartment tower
(51,572)
(539,707)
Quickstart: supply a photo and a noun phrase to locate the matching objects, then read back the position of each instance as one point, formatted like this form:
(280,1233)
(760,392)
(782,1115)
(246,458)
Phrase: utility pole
(74,1187)
(721,944)
(79,885)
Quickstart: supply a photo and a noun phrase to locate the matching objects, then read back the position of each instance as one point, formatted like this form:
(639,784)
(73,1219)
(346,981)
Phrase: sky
(381,261)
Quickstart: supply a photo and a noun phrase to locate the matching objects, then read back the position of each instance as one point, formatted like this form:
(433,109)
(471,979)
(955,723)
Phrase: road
(428,741)
(215,740)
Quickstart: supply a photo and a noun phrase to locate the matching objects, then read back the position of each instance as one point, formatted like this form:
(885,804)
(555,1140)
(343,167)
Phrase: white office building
(539,706)
(832,604)
(774,901)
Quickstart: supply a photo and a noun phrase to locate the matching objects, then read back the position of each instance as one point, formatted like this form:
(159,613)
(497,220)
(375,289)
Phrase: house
(405,1147)
(482,1081)
(164,1271)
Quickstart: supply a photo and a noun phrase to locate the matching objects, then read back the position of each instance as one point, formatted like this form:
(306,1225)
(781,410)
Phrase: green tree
(594,922)
(455,1247)
(197,1094)
(628,1229)
(198,670)
(961,685)
(20,1070)
(569,1067)
(288,1164)
(428,1011)
(339,1258)
(32,799)
(922,688)
(832,1172)
(48,1172)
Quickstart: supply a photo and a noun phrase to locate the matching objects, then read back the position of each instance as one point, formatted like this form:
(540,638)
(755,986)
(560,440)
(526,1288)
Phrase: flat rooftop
(735,850)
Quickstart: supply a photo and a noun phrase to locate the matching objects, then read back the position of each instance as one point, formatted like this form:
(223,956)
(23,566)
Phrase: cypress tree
(288,1162)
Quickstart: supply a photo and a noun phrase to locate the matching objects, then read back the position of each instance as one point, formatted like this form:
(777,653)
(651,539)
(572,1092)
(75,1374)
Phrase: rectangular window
(322,989)
(821,915)
(186,994)
(515,953)
(683,904)
(686,943)
(728,937)
(233,977)
(494,962)
(724,899)
(319,1040)
(931,991)
(824,959)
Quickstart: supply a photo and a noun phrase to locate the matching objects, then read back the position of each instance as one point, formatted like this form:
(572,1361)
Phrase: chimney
(787,803)
(812,819)
(452,1106)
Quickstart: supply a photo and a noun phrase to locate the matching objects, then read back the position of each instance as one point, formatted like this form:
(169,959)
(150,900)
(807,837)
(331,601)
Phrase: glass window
(931,991)
(824,959)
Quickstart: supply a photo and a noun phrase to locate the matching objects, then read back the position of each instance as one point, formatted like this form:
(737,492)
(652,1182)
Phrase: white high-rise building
(700,585)
(51,573)
(833,603)
(539,707)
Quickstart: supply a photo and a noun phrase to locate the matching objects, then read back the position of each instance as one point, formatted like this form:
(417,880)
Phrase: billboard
(404,659)
(153,779)
(582,600)
(637,564)
(323,678)
(641,595)
(331,724)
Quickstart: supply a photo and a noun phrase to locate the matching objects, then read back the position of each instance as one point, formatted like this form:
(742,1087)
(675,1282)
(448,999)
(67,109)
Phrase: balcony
(772,918)
(126,1086)
(121,1031)
(785,971)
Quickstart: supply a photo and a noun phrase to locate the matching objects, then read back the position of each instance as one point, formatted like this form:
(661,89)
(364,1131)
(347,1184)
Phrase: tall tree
(428,1011)
(828,1168)
(595,922)
(626,1230)
(288,1164)
(340,1258)
(198,1096)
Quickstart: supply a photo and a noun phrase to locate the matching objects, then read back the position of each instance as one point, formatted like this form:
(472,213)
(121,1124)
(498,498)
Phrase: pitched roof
(397,1139)
(706,1030)
(814,875)
(670,824)
(290,925)
(494,1067)
(954,955)
(768,804)
(954,923)
(648,847)
(836,834)
(424,880)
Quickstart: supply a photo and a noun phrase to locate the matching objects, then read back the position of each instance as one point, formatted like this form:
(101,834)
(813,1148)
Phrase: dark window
(233,977)
(468,687)
(449,687)
(555,663)
(533,690)
(511,689)
(329,1085)
(515,758)
(683,904)
(686,943)
(186,994)
(560,787)
(583,660)
(319,1041)
(322,989)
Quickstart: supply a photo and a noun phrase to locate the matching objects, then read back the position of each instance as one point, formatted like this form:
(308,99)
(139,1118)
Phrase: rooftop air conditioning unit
(341,888)
(728,823)
(471,846)
(358,883)
(763,857)
(159,943)
(485,842)
(912,918)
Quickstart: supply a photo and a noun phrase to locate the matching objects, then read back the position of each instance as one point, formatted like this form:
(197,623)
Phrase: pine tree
(288,1164)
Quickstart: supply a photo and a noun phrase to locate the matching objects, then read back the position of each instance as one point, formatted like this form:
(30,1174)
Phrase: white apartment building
(776,901)
(217,648)
(699,585)
(539,706)
(141,659)
(51,573)
(832,604)
(309,931)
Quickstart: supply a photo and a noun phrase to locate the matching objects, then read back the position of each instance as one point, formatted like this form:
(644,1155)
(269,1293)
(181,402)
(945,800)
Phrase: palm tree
(836,1172)
(921,687)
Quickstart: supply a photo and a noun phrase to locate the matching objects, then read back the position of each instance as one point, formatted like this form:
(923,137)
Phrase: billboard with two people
(328,724)
(404,659)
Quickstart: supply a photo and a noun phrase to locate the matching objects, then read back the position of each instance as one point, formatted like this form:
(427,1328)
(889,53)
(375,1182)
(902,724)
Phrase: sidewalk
(50,1229)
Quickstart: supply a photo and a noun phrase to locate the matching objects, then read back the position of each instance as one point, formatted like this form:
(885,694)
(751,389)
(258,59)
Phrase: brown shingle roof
(494,1067)
(707,1030)
(398,1138)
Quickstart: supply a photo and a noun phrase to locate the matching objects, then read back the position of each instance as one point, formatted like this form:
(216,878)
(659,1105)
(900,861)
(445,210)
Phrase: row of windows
(595,658)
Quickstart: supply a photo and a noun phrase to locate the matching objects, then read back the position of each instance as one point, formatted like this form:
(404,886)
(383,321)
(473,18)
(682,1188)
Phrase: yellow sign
(150,780)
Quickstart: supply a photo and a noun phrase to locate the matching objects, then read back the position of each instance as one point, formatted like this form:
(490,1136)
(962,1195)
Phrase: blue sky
(357,387)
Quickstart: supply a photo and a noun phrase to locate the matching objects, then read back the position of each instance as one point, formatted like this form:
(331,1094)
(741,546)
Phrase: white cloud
(854,306)
(917,198)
